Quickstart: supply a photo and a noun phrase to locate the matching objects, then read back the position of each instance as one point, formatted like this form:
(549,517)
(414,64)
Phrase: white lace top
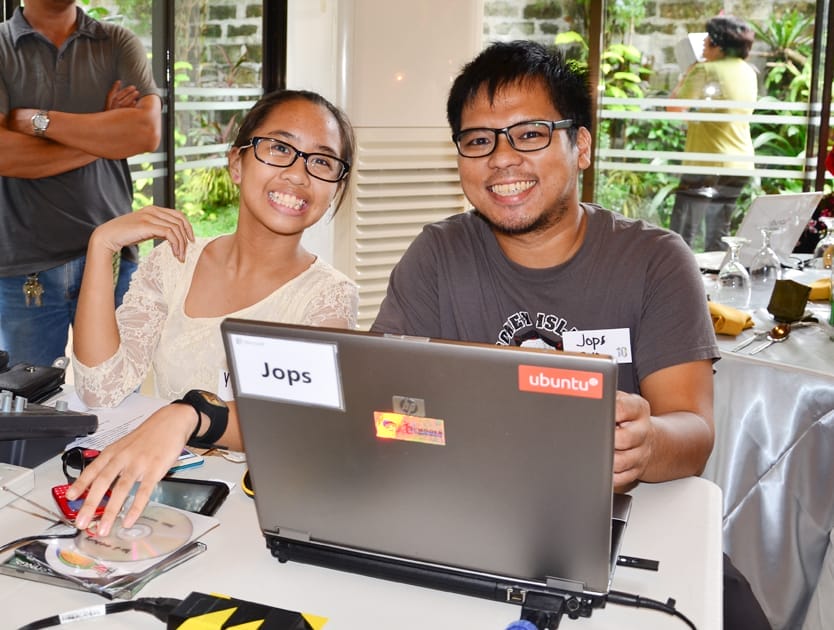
(187,352)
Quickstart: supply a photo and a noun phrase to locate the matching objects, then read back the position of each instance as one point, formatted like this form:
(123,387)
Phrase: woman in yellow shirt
(724,75)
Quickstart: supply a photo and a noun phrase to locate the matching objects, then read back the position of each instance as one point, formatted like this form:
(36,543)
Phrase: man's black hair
(504,64)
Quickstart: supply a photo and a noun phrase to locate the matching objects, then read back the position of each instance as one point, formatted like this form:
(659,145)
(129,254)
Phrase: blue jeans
(38,334)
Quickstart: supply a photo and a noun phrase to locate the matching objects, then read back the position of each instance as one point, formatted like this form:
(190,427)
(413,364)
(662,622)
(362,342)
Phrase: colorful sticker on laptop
(398,426)
(559,382)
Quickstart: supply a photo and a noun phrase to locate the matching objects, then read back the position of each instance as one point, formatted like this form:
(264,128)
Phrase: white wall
(312,58)
(387,63)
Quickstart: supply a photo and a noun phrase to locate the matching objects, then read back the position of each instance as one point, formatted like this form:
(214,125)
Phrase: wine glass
(733,283)
(765,270)
(825,247)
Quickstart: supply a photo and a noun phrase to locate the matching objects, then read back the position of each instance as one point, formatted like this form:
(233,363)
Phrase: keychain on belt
(33,290)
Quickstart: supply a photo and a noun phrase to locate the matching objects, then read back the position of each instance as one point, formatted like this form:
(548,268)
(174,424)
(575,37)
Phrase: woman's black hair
(260,110)
(732,35)
(523,62)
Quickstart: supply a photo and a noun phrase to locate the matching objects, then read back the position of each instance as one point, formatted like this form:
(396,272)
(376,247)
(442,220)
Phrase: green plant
(622,74)
(789,38)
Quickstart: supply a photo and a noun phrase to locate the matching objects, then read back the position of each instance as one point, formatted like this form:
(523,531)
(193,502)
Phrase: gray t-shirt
(46,222)
(454,282)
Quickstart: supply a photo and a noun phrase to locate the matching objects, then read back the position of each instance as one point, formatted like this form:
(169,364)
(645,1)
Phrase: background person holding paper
(709,199)
(291,159)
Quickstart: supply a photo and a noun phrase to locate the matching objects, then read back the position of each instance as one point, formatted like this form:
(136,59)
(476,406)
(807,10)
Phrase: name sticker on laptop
(398,426)
(615,342)
(304,372)
(559,382)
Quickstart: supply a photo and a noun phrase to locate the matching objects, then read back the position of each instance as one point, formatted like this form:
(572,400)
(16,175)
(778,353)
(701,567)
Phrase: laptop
(789,213)
(466,467)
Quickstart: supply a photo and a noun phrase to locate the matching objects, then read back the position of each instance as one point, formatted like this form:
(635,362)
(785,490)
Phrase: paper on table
(117,422)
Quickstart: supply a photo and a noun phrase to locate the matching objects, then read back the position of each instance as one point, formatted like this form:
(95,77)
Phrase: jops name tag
(615,342)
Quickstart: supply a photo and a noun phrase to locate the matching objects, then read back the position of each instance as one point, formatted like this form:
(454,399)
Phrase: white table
(677,523)
(774,461)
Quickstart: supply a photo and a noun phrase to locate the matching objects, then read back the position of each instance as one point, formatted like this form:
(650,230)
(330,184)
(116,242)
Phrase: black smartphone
(194,495)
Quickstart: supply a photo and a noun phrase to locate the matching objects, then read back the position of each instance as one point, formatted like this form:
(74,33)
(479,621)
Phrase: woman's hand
(144,224)
(144,455)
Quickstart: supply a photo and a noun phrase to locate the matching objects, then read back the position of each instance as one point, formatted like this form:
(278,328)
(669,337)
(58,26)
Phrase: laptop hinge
(291,534)
(570,586)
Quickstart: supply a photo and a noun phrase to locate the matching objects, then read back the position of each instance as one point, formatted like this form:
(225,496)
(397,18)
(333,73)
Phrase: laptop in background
(789,212)
(466,467)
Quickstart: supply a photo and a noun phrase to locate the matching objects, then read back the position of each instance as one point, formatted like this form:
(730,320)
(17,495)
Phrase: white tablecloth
(774,460)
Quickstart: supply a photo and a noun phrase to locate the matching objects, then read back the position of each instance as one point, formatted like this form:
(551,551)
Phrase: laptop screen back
(492,460)
(788,213)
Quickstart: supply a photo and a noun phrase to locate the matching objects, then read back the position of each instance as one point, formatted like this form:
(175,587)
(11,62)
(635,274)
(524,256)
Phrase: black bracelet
(207,403)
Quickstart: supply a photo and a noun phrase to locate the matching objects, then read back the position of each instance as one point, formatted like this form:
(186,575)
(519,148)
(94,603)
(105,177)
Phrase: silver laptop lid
(789,213)
(489,459)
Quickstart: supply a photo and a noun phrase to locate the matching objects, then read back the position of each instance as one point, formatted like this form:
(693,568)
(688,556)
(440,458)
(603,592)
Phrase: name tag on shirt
(615,342)
(224,386)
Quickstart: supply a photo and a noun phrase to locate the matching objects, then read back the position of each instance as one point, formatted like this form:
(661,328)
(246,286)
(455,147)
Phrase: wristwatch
(40,122)
(217,411)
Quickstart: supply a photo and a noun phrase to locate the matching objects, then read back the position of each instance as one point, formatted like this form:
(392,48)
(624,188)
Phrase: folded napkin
(728,320)
(820,289)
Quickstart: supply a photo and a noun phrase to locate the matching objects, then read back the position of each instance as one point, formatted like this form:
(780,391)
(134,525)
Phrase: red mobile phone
(70,508)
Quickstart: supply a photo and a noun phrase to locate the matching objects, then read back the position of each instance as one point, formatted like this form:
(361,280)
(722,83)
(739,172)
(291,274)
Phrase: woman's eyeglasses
(278,153)
(77,459)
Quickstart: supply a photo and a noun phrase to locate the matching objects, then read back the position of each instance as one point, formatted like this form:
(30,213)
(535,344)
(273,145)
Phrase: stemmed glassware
(765,270)
(733,283)
(824,251)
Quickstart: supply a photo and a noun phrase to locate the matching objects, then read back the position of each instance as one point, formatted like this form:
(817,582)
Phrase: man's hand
(633,439)
(119,96)
(145,455)
(667,432)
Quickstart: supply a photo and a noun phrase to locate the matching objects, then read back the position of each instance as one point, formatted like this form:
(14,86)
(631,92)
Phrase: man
(77,98)
(531,263)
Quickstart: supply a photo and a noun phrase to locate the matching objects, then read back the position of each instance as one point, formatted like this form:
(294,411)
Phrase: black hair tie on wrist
(217,411)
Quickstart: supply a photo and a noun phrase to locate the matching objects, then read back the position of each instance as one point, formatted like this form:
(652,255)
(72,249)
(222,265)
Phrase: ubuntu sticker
(559,382)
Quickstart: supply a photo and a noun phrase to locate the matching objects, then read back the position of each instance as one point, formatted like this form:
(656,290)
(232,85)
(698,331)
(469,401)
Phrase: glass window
(215,69)
(646,47)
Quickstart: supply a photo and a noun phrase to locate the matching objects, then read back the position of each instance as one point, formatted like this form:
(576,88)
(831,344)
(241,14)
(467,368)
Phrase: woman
(724,75)
(291,160)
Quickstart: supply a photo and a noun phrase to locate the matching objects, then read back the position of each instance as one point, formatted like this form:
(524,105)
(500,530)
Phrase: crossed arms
(128,125)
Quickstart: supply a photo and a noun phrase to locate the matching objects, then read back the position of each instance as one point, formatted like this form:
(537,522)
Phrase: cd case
(116,566)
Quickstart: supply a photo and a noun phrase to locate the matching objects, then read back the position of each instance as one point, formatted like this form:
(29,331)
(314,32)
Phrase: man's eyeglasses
(278,153)
(77,458)
(530,135)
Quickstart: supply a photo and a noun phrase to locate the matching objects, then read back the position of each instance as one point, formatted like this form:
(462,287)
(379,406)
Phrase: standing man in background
(710,199)
(77,98)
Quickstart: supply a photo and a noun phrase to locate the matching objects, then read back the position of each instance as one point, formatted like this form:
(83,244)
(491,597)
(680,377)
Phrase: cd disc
(160,530)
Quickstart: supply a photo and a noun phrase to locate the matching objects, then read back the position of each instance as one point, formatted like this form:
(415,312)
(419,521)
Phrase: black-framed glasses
(282,154)
(77,458)
(529,135)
